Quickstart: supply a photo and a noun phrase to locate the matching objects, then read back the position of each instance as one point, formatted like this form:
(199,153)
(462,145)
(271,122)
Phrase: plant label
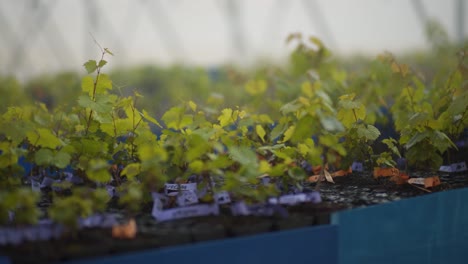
(187,198)
(293,199)
(73,178)
(289,199)
(111,191)
(240,208)
(418,181)
(455,167)
(357,166)
(265,180)
(184,212)
(35,185)
(172,189)
(427,182)
(222,197)
(13,236)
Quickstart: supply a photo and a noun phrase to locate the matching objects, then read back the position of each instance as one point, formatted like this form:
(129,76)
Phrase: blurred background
(207,51)
(47,36)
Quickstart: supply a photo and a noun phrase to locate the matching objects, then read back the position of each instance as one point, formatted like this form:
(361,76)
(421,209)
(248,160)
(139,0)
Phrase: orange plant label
(125,231)
(431,181)
(386,172)
(340,173)
(401,178)
(427,182)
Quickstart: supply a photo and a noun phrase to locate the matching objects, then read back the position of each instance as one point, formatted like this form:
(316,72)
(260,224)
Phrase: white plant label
(455,167)
(240,208)
(35,185)
(172,189)
(187,198)
(418,181)
(184,212)
(222,197)
(111,191)
(292,199)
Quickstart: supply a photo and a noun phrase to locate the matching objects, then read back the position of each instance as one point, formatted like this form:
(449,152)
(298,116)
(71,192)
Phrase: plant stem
(355,116)
(98,72)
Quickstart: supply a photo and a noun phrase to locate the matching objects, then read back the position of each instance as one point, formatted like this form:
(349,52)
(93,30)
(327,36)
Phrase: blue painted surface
(305,245)
(427,229)
(4,260)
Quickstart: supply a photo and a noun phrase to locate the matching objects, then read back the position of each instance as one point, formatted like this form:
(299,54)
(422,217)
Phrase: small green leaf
(288,133)
(226,117)
(176,118)
(108,51)
(196,166)
(131,170)
(150,118)
(369,132)
(61,159)
(98,170)
(331,124)
(102,63)
(90,66)
(260,132)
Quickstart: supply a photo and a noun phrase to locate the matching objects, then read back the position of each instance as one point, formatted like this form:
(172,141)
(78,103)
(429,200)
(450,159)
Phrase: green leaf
(304,129)
(369,132)
(197,147)
(196,166)
(288,134)
(103,103)
(243,155)
(176,118)
(131,170)
(150,118)
(47,157)
(256,87)
(226,117)
(44,157)
(62,159)
(277,131)
(391,144)
(459,105)
(90,66)
(104,83)
(290,107)
(331,124)
(416,139)
(441,141)
(297,173)
(98,171)
(260,132)
(102,63)
(44,137)
(87,85)
(106,50)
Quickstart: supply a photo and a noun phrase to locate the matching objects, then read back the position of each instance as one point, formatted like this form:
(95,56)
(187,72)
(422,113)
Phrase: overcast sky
(46,35)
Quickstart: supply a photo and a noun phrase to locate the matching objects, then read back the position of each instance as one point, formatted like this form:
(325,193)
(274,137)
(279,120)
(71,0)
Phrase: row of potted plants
(106,148)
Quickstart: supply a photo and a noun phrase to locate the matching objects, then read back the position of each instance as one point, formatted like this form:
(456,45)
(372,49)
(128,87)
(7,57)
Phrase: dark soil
(357,190)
